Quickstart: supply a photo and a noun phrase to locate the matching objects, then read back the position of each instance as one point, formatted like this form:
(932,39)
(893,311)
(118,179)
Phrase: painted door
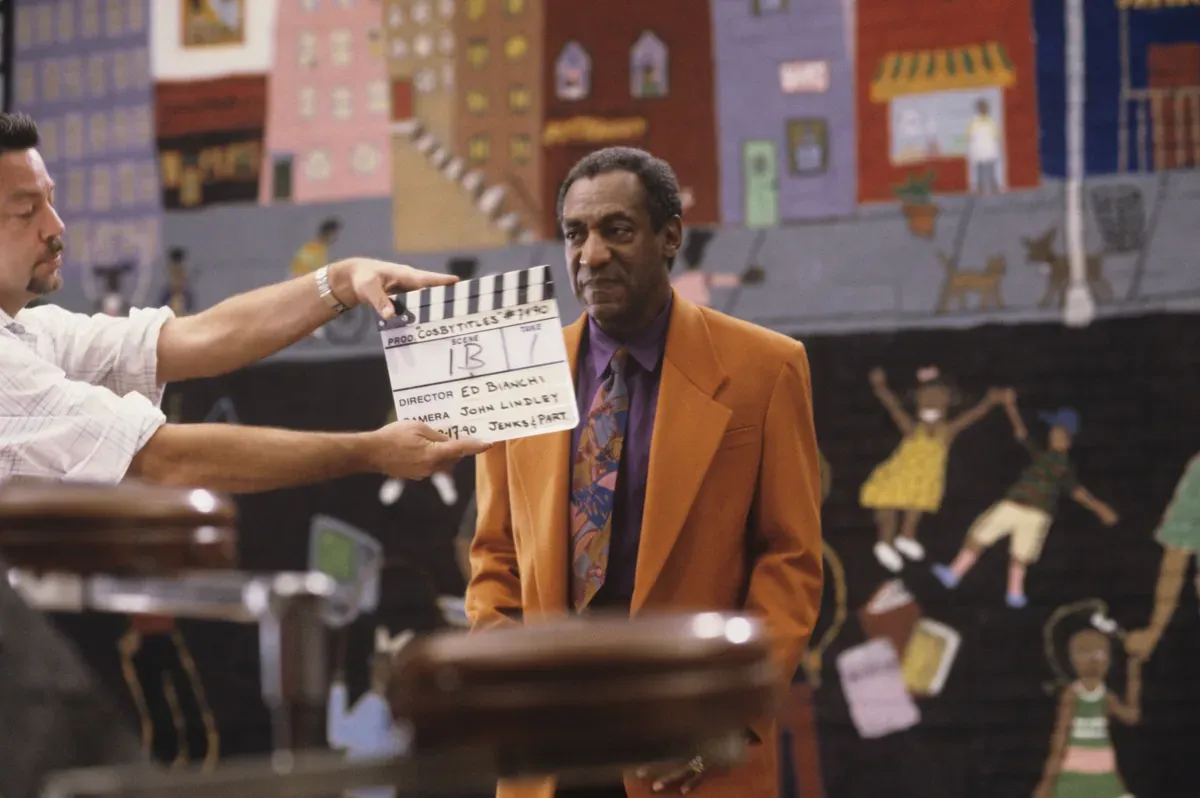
(760,166)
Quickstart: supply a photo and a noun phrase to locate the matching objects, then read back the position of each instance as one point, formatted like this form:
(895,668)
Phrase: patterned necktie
(594,482)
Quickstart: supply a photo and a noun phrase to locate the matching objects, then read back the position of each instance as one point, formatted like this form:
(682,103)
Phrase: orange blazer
(732,515)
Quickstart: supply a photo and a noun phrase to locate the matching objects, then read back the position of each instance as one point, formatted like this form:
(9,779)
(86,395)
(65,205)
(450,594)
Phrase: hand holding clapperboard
(482,358)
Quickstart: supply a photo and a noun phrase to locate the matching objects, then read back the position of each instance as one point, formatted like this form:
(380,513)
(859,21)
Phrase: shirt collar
(646,347)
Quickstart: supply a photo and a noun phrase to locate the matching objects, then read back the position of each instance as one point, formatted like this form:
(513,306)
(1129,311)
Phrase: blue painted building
(785,109)
(81,68)
(1142,83)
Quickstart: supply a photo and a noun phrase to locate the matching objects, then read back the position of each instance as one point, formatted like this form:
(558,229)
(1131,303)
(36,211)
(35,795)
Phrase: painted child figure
(367,729)
(1026,512)
(911,481)
(1082,762)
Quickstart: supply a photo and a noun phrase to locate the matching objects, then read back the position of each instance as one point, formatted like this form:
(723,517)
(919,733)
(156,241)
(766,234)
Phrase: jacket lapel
(544,463)
(688,428)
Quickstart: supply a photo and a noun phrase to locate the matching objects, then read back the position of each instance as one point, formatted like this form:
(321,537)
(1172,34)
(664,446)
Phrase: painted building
(82,70)
(500,107)
(328,104)
(785,108)
(439,200)
(947,97)
(642,78)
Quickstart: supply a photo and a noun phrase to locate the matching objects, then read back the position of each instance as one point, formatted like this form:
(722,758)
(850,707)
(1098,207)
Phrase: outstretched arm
(964,420)
(1020,432)
(1058,744)
(1129,711)
(248,327)
(878,380)
(1106,514)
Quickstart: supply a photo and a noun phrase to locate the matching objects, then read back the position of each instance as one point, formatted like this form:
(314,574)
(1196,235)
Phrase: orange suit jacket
(732,514)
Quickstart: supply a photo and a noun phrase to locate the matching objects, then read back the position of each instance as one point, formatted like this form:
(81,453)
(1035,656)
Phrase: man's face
(1060,439)
(616,260)
(30,229)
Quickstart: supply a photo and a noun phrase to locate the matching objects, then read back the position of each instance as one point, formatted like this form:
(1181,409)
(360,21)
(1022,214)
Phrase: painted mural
(921,189)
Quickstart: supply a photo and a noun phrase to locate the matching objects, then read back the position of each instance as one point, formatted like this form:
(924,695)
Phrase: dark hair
(18,132)
(330,225)
(177,253)
(656,175)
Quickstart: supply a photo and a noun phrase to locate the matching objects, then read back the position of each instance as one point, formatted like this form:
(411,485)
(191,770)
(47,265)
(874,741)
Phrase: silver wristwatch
(326,293)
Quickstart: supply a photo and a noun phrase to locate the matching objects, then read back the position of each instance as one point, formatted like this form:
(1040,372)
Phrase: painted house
(82,70)
(642,78)
(328,100)
(946,97)
(785,109)
(440,197)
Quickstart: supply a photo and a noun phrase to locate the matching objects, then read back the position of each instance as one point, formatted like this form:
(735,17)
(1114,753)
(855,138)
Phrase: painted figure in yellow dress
(911,481)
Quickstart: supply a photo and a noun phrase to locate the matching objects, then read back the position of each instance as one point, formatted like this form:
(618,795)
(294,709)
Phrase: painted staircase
(489,200)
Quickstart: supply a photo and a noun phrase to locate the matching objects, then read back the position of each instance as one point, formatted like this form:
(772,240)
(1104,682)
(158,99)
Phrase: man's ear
(673,236)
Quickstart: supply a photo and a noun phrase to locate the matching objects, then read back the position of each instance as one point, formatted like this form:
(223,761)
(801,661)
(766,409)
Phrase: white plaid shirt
(79,395)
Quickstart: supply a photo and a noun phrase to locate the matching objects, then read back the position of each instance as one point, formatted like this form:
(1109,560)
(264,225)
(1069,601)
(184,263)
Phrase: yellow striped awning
(918,72)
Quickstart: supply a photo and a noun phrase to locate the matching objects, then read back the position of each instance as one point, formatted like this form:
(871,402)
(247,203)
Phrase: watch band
(326,293)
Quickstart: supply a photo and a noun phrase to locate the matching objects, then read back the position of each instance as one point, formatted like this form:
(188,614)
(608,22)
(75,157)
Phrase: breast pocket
(739,437)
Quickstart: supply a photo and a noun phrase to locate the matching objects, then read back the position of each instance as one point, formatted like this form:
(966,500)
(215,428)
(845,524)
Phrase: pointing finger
(416,278)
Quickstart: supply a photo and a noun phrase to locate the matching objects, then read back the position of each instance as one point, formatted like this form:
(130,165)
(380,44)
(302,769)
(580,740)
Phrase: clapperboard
(482,358)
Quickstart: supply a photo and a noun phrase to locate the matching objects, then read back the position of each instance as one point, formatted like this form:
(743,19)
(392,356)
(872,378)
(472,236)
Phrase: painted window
(24,27)
(139,63)
(90,27)
(476,9)
(76,189)
(519,99)
(26,84)
(341,47)
(120,68)
(318,166)
(769,6)
(425,81)
(120,129)
(148,183)
(378,101)
(306,102)
(73,136)
(97,81)
(446,42)
(478,149)
(66,20)
(446,8)
(51,80)
(520,148)
(341,103)
(573,73)
(395,15)
(366,159)
(399,47)
(423,45)
(142,125)
(45,24)
(126,185)
(808,146)
(113,18)
(73,78)
(515,47)
(306,49)
(136,14)
(648,67)
(49,148)
(98,133)
(477,103)
(447,76)
(477,53)
(101,199)
(375,41)
(421,12)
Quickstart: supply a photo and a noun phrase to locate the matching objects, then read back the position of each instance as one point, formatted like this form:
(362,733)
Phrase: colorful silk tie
(594,483)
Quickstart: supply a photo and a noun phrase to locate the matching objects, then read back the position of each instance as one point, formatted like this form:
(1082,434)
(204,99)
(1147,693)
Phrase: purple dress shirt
(642,372)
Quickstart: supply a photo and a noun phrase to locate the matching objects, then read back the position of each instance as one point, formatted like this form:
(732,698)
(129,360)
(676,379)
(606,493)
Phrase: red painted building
(924,69)
(638,74)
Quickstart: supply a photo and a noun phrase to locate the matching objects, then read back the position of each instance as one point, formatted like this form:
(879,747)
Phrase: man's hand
(674,777)
(411,450)
(364,281)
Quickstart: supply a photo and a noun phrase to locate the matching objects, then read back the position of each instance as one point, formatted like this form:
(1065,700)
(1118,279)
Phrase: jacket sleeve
(786,575)
(494,590)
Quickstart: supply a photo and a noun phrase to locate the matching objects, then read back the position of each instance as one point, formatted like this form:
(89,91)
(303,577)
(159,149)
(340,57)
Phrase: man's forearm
(241,459)
(244,329)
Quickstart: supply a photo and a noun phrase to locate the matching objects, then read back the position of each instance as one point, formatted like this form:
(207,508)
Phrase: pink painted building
(328,104)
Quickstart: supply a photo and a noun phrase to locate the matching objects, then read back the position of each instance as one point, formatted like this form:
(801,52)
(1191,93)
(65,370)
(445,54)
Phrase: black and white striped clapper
(481,295)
